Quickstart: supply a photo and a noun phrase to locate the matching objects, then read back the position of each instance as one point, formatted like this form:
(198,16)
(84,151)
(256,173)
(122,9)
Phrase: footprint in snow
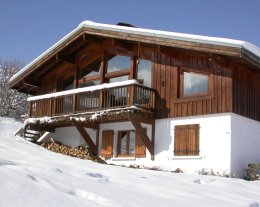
(7,162)
(98,176)
(32,178)
(92,197)
(204,182)
(58,170)
(254,204)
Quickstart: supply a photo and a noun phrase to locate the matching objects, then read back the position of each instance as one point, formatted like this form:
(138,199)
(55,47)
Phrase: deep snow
(32,176)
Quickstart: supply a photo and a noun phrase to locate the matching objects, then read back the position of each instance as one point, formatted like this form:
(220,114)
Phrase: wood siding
(166,82)
(246,92)
(231,89)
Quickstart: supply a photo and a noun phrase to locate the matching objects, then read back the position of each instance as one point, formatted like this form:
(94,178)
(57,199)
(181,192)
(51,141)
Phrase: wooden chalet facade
(101,75)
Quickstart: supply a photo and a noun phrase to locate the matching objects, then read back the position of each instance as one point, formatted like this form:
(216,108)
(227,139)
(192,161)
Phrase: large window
(186,140)
(91,69)
(144,72)
(118,62)
(90,74)
(126,143)
(193,84)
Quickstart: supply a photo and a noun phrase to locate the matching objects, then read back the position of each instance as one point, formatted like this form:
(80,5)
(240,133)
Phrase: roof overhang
(223,46)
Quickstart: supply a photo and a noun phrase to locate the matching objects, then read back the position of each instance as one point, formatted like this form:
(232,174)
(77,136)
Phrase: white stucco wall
(228,142)
(215,143)
(70,136)
(245,142)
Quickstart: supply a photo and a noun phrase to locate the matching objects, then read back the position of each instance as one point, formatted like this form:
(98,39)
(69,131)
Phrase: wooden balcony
(93,99)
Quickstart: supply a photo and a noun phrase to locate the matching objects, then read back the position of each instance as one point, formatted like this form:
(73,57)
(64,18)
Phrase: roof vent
(125,24)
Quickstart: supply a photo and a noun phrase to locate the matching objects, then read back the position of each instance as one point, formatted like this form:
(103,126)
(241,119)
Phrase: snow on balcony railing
(95,98)
(85,89)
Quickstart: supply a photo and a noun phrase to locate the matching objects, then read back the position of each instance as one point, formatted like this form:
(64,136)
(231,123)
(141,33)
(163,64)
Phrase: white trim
(123,159)
(187,157)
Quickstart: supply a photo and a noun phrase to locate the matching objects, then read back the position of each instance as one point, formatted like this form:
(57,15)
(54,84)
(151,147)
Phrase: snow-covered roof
(145,32)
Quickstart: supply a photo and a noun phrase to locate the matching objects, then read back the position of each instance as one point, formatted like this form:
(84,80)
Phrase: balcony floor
(90,119)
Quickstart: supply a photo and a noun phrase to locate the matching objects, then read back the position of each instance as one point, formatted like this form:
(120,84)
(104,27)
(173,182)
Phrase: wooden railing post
(30,108)
(99,99)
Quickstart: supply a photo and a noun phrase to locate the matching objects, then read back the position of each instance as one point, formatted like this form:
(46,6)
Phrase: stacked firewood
(79,152)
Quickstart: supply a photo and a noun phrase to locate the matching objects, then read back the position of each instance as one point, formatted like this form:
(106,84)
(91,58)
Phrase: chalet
(148,97)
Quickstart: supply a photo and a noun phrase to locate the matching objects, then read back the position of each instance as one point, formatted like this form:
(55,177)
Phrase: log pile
(79,152)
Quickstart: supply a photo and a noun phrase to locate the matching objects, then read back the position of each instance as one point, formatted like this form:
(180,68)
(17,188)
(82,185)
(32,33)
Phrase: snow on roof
(85,89)
(147,32)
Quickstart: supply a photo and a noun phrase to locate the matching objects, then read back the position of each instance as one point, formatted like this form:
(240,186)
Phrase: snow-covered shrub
(207,171)
(252,172)
(178,170)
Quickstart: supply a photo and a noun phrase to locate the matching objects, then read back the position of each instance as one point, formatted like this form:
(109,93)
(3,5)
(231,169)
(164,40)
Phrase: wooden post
(86,137)
(142,133)
(30,109)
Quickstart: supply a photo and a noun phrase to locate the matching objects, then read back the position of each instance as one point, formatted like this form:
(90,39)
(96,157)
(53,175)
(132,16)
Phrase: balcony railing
(95,98)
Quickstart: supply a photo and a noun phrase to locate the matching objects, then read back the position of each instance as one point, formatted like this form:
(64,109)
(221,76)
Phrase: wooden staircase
(29,134)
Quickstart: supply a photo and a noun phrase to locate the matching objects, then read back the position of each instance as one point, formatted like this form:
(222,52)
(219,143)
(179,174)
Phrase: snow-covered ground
(33,176)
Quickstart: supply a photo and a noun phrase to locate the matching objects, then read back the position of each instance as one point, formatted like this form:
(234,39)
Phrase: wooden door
(140,149)
(107,143)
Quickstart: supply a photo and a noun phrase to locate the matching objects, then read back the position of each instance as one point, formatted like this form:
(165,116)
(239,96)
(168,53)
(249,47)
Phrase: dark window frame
(127,154)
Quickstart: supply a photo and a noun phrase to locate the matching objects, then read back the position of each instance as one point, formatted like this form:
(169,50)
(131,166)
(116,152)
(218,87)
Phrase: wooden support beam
(30,83)
(65,58)
(92,39)
(142,133)
(122,45)
(86,137)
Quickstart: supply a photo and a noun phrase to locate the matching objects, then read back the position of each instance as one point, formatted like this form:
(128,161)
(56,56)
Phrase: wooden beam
(122,45)
(30,83)
(142,133)
(65,58)
(86,137)
(92,39)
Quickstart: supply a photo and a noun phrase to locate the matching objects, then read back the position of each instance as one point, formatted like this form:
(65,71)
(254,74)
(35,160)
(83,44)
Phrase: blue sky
(29,27)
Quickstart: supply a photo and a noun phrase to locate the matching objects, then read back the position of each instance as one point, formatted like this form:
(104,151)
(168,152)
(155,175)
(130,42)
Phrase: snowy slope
(33,176)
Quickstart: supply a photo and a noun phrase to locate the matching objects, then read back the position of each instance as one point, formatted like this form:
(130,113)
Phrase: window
(144,72)
(186,140)
(118,79)
(67,84)
(126,143)
(118,62)
(91,69)
(192,84)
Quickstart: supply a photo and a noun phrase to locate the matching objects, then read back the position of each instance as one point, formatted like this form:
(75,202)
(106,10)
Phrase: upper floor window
(90,70)
(67,83)
(144,72)
(192,83)
(118,62)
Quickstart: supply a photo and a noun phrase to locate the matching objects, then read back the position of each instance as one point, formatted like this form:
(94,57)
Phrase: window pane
(132,143)
(118,79)
(123,142)
(118,62)
(195,83)
(144,72)
(89,83)
(68,83)
(91,69)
